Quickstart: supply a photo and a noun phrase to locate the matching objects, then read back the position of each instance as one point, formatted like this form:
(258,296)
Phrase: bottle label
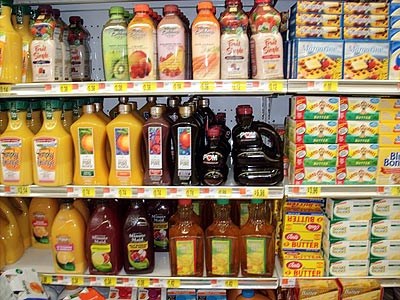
(100,254)
(155,150)
(244,213)
(221,256)
(45,157)
(3,39)
(86,152)
(58,59)
(25,59)
(160,231)
(186,257)
(122,151)
(184,148)
(65,253)
(43,59)
(40,228)
(137,251)
(234,56)
(78,56)
(11,152)
(256,248)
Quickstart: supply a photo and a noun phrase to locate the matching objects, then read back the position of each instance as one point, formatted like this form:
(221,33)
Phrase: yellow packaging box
(312,131)
(318,7)
(314,107)
(326,289)
(389,115)
(386,127)
(302,264)
(389,140)
(365,132)
(352,209)
(389,165)
(312,175)
(389,104)
(313,155)
(359,289)
(304,241)
(385,229)
(365,8)
(347,230)
(357,155)
(359,108)
(366,21)
(295,221)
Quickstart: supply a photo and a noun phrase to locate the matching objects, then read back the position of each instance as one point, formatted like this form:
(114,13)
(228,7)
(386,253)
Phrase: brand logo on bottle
(292,236)
(313,227)
(271,48)
(46,159)
(294,265)
(248,135)
(40,52)
(210,157)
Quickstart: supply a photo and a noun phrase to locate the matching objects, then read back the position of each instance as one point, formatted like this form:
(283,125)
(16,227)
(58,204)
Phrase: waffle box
(359,108)
(351,250)
(302,264)
(365,8)
(310,19)
(312,131)
(316,32)
(356,175)
(385,229)
(377,21)
(317,7)
(346,267)
(364,132)
(313,155)
(389,165)
(366,60)
(353,209)
(386,209)
(347,230)
(317,59)
(365,33)
(394,63)
(314,107)
(385,249)
(394,10)
(358,155)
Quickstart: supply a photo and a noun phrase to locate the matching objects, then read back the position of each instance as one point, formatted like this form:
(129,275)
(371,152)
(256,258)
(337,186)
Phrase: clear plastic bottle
(65,49)
(34,116)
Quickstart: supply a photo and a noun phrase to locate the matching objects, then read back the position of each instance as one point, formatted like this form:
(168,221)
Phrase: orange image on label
(11,159)
(45,151)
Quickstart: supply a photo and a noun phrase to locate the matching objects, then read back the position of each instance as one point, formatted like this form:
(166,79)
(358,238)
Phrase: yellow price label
(149,86)
(124,192)
(395,191)
(224,192)
(313,191)
(160,192)
(120,87)
(5,88)
(275,86)
(239,85)
(46,279)
(330,86)
(178,85)
(75,280)
(192,192)
(173,283)
(92,87)
(88,192)
(65,88)
(110,281)
(207,86)
(231,283)
(260,193)
(143,282)
(23,190)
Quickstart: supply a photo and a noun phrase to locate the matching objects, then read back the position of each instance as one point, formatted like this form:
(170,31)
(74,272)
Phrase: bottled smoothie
(160,213)
(157,154)
(125,137)
(89,138)
(16,147)
(68,240)
(21,20)
(142,45)
(3,116)
(114,46)
(42,212)
(205,43)
(138,240)
(34,116)
(171,44)
(10,47)
(222,243)
(62,27)
(52,148)
(234,41)
(103,240)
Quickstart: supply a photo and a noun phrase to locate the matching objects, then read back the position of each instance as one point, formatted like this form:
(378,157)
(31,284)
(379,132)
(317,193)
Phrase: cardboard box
(381,21)
(313,155)
(351,250)
(389,162)
(309,19)
(389,104)
(385,229)
(312,175)
(316,32)
(302,264)
(211,294)
(314,107)
(356,175)
(365,33)
(359,108)
(394,35)
(294,221)
(394,22)
(312,132)
(394,61)
(356,288)
(385,249)
(386,209)
(346,268)
(365,8)
(357,155)
(363,132)
(347,230)
(317,7)
(312,288)
(382,267)
(388,141)
(389,115)
(352,209)
(181,294)
(394,9)
(389,128)
(301,241)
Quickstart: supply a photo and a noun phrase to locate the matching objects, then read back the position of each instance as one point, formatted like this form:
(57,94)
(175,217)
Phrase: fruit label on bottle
(184,152)
(40,228)
(100,251)
(45,158)
(155,150)
(86,152)
(25,59)
(256,248)
(3,39)
(234,56)
(115,53)
(11,150)
(244,213)
(43,54)
(65,253)
(78,55)
(221,256)
(122,151)
(186,257)
(160,231)
(137,251)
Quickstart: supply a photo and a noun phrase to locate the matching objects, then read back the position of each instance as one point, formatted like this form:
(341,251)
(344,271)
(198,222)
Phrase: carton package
(389,115)
(389,128)
(151,293)
(317,32)
(211,294)
(346,268)
(386,209)
(312,131)
(394,10)
(301,241)
(303,204)
(359,108)
(356,175)
(365,132)
(366,33)
(365,8)
(312,288)
(366,60)
(385,249)
(355,288)
(312,175)
(394,22)
(389,163)
(389,104)
(350,250)
(181,294)
(380,21)
(310,19)
(314,107)
(353,209)
(357,155)
(313,155)
(317,7)
(389,141)
(394,61)
(382,267)
(385,229)
(295,221)
(394,35)
(347,230)
(302,264)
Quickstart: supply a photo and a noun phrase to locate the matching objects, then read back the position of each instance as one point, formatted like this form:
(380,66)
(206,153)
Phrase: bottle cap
(205,102)
(156,111)
(18,105)
(185,111)
(205,5)
(116,10)
(74,19)
(52,104)
(123,100)
(124,108)
(68,105)
(89,109)
(222,201)
(256,201)
(214,131)
(184,202)
(248,293)
(44,9)
(173,101)
(170,8)
(34,105)
(221,116)
(151,99)
(98,106)
(244,110)
(56,13)
(142,7)
(133,104)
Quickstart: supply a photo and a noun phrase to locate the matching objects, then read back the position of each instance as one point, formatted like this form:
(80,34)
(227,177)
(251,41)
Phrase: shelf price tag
(239,85)
(232,283)
(313,191)
(120,87)
(275,86)
(178,85)
(395,191)
(23,190)
(143,282)
(330,86)
(46,279)
(207,86)
(88,192)
(92,87)
(224,192)
(66,88)
(173,283)
(149,86)
(76,280)
(5,88)
(260,192)
(159,192)
(192,192)
(124,192)
(110,281)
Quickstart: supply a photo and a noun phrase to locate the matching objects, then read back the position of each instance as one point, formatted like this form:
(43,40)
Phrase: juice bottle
(103,240)
(2,255)
(125,136)
(115,110)
(234,41)
(34,116)
(10,234)
(114,45)
(266,42)
(78,43)
(3,116)
(185,133)
(142,45)
(160,213)
(16,147)
(43,47)
(173,108)
(144,111)
(157,154)
(67,116)
(42,212)
(89,138)
(77,108)
(138,240)
(222,243)
(175,217)
(98,105)
(205,43)
(257,242)
(21,19)
(82,206)
(186,250)
(68,240)
(206,114)
(135,111)
(171,44)
(10,47)
(52,148)
(62,29)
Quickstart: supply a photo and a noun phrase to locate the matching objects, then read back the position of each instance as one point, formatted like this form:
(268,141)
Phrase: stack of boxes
(394,36)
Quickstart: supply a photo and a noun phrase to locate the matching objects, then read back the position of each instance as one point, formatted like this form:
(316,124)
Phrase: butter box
(389,115)
(314,107)
(318,7)
(385,267)
(386,209)
(356,175)
(394,34)
(347,230)
(389,104)
(394,22)
(366,60)
(357,155)
(389,127)
(365,132)
(389,164)
(385,249)
(303,221)
(365,33)
(394,63)
(309,19)
(302,264)
(312,131)
(312,175)
(360,288)
(394,9)
(365,8)
(385,229)
(389,140)
(346,268)
(301,241)
(316,32)
(312,288)
(366,21)
(313,155)
(359,108)
(346,249)
(352,209)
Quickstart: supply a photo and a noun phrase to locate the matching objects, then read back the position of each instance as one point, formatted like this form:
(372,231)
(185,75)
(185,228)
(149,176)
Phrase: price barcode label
(88,192)
(224,192)
(110,281)
(232,283)
(239,86)
(207,86)
(5,88)
(275,86)
(66,88)
(160,193)
(313,191)
(330,86)
(395,191)
(173,283)
(149,86)
(23,190)
(260,193)
(124,192)
(92,87)
(192,192)
(76,280)
(120,87)
(178,85)
(143,282)
(46,279)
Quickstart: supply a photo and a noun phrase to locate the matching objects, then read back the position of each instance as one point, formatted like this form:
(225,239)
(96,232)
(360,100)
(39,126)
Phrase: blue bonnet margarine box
(394,22)
(394,9)
(317,59)
(394,34)
(394,63)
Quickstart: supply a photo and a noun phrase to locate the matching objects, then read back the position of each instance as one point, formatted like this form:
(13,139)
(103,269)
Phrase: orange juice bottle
(205,43)
(16,147)
(68,240)
(82,206)
(42,212)
(2,255)
(142,45)
(89,137)
(34,116)
(98,105)
(10,47)
(53,150)
(3,116)
(125,135)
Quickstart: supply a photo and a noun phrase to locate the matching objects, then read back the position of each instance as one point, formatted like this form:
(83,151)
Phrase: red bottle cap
(214,131)
(142,7)
(205,5)
(244,110)
(170,8)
